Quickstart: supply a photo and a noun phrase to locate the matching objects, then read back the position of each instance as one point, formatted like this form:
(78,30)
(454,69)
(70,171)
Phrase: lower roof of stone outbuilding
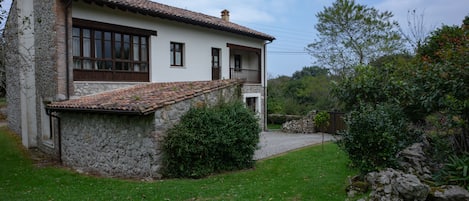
(141,99)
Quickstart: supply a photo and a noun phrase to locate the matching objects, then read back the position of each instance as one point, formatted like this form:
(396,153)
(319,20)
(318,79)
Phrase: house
(62,52)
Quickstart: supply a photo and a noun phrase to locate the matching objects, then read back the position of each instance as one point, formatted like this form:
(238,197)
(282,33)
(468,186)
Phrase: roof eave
(179,19)
(100,111)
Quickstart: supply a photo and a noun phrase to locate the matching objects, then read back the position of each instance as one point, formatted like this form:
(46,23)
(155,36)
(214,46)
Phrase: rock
(356,186)
(414,161)
(299,126)
(449,193)
(304,125)
(396,185)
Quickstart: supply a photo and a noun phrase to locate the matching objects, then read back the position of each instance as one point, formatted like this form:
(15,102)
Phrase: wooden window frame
(216,63)
(238,66)
(173,54)
(133,69)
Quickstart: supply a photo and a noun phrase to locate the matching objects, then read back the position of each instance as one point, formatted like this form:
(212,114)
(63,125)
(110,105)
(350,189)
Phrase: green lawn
(274,126)
(3,102)
(307,174)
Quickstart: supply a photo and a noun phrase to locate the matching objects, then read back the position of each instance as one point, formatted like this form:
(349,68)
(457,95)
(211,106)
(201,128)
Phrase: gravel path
(274,143)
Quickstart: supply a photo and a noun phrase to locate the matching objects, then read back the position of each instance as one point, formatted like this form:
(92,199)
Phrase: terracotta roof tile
(141,99)
(155,9)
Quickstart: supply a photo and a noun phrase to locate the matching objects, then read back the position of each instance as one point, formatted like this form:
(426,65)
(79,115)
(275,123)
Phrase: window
(215,57)
(103,52)
(251,103)
(177,54)
(237,62)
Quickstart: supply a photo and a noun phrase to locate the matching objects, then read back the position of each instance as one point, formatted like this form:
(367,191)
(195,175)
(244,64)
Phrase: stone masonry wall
(12,71)
(87,88)
(125,146)
(110,145)
(50,62)
(166,117)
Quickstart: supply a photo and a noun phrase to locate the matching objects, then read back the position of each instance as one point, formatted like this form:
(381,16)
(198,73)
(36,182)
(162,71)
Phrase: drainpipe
(68,4)
(59,136)
(265,84)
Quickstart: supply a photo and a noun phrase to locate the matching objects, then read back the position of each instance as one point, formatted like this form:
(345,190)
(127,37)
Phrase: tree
(416,30)
(310,71)
(436,81)
(351,34)
(443,75)
(304,91)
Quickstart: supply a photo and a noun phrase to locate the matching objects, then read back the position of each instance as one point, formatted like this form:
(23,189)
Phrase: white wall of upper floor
(198,42)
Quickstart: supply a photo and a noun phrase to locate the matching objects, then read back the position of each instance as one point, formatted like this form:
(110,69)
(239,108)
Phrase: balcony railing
(248,75)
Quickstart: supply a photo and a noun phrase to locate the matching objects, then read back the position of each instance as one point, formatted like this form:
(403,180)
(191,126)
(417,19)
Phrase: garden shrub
(455,171)
(210,140)
(375,135)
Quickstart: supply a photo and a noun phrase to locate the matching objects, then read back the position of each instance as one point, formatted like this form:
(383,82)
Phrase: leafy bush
(208,140)
(375,135)
(321,120)
(455,172)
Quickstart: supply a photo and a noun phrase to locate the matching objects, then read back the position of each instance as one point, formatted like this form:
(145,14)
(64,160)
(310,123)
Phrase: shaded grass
(3,102)
(274,126)
(307,174)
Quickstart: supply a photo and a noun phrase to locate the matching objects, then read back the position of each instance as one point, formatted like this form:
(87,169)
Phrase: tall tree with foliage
(434,84)
(304,91)
(351,34)
(444,76)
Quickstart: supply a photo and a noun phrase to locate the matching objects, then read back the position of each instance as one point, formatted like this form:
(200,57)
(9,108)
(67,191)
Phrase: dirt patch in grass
(41,160)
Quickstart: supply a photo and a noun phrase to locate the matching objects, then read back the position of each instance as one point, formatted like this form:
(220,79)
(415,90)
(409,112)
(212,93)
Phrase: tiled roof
(141,99)
(155,9)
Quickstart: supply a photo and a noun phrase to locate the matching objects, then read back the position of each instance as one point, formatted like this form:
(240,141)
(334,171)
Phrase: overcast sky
(292,21)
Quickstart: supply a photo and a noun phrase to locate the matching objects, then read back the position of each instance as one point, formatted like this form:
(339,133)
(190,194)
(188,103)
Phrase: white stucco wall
(198,42)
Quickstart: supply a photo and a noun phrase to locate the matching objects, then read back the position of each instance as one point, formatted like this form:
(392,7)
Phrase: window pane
(136,48)
(126,47)
(144,52)
(137,67)
(108,65)
(143,68)
(77,64)
(117,46)
(118,66)
(76,32)
(98,44)
(76,42)
(87,64)
(178,61)
(100,65)
(171,58)
(86,47)
(76,47)
(86,33)
(86,43)
(107,45)
(176,54)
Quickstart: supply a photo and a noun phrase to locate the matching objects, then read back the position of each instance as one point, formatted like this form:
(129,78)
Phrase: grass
(274,126)
(306,174)
(3,102)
